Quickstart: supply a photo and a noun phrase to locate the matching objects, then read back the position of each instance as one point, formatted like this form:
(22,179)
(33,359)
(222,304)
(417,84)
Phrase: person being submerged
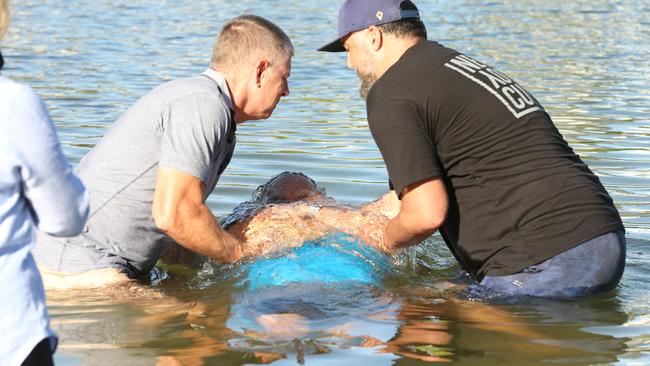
(313,277)
(310,280)
(309,262)
(291,209)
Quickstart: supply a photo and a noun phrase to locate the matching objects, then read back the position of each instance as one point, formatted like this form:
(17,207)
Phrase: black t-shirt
(518,193)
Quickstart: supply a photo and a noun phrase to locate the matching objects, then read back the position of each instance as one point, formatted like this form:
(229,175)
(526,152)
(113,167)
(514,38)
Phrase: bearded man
(474,155)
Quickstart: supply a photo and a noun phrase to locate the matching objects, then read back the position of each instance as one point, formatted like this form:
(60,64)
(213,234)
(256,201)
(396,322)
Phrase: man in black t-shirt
(473,154)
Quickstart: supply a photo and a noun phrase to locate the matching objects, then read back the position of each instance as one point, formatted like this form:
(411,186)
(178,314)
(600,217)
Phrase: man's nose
(285,93)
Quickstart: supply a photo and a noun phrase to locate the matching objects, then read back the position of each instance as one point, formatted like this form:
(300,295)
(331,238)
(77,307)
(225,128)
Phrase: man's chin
(364,88)
(268,114)
(262,115)
(363,92)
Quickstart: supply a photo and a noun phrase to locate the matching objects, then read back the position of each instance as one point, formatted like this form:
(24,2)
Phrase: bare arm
(423,211)
(387,205)
(180,212)
(388,224)
(288,225)
(276,227)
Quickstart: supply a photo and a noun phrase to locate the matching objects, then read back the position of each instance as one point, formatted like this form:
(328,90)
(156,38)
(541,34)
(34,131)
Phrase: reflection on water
(586,61)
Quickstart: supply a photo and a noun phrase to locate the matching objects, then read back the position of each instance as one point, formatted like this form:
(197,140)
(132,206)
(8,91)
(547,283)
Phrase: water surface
(586,61)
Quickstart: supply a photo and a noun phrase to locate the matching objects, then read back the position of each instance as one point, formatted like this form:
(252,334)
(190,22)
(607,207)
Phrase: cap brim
(336,46)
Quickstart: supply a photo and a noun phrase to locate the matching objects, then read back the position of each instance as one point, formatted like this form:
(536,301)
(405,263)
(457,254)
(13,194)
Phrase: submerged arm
(276,227)
(279,226)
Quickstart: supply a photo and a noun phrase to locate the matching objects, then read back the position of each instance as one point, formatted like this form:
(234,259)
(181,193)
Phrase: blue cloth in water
(328,281)
(332,259)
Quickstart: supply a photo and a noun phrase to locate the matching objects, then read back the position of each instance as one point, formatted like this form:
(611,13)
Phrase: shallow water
(586,61)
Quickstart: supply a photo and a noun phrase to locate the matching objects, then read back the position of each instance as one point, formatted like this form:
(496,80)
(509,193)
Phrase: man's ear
(261,67)
(375,38)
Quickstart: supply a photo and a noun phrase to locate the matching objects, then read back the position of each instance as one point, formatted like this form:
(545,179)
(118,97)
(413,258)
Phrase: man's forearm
(422,211)
(397,234)
(377,230)
(364,225)
(198,230)
(277,227)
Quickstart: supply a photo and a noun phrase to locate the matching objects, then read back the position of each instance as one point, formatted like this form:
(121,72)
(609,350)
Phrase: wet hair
(262,196)
(245,34)
(264,193)
(409,27)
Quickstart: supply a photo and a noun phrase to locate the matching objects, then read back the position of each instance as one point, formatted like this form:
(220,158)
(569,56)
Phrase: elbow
(72,222)
(81,215)
(172,219)
(78,223)
(67,228)
(175,219)
(427,224)
(166,221)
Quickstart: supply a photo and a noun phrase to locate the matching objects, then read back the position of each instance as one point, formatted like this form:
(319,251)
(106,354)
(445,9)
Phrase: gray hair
(248,33)
(5,15)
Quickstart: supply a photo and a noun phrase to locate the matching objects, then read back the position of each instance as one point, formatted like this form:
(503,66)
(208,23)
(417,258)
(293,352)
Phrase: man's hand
(180,212)
(253,243)
(388,205)
(277,227)
(363,224)
(423,211)
(371,230)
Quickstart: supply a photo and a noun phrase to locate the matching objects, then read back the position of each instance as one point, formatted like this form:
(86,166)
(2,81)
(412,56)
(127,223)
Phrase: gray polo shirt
(186,125)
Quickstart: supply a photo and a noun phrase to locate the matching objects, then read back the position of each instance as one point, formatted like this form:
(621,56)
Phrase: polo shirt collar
(221,81)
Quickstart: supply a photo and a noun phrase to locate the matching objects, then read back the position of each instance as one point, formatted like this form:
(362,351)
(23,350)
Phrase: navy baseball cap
(355,15)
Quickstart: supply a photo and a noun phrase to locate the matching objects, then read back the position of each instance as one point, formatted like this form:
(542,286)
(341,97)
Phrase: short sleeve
(194,127)
(407,149)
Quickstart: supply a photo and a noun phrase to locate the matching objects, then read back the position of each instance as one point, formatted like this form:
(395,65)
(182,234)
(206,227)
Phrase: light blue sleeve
(57,197)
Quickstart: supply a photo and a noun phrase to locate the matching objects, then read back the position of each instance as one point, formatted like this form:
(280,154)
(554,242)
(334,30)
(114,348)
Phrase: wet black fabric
(518,193)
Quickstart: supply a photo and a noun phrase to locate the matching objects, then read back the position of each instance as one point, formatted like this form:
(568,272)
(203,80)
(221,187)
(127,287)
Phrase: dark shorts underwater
(591,267)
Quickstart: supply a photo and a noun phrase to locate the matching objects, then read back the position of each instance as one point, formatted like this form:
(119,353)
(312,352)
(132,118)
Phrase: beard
(366,73)
(366,81)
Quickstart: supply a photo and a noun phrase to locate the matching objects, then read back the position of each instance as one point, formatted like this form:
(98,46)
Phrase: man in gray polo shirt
(150,175)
